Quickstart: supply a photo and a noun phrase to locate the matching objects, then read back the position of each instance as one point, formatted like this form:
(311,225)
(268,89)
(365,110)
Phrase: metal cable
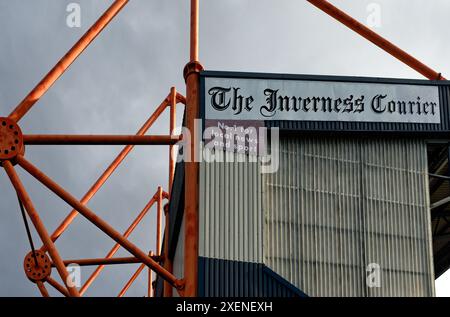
(30,238)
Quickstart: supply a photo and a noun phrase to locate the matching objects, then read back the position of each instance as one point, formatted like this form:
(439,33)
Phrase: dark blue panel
(159,287)
(223,278)
(176,208)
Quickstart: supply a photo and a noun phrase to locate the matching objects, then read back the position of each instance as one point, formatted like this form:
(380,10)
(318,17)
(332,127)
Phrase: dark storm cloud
(115,85)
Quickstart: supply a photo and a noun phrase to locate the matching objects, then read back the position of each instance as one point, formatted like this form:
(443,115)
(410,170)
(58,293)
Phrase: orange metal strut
(195,8)
(42,289)
(173,124)
(116,247)
(191,75)
(57,286)
(158,220)
(100,139)
(107,173)
(107,261)
(66,61)
(43,234)
(376,39)
(132,279)
(97,221)
(150,280)
(150,283)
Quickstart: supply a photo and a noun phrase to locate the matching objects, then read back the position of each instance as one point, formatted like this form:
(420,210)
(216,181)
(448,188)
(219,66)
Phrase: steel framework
(39,262)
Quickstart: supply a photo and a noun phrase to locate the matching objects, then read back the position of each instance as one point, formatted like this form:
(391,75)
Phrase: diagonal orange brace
(131,281)
(44,85)
(116,247)
(42,289)
(39,226)
(180,98)
(108,172)
(57,286)
(172,125)
(99,223)
(376,39)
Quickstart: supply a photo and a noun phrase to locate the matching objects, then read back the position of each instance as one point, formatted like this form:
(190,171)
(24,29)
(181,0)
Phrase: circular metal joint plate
(11,139)
(38,272)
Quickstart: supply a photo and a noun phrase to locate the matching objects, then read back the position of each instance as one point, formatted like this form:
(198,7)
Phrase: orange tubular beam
(159,198)
(100,139)
(191,74)
(40,228)
(376,39)
(97,221)
(150,283)
(66,61)
(117,246)
(42,289)
(150,280)
(107,261)
(107,173)
(131,281)
(158,221)
(57,286)
(181,99)
(168,265)
(195,6)
(173,123)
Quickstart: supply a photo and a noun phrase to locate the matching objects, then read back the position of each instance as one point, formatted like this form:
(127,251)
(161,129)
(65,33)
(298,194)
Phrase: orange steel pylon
(39,263)
(13,148)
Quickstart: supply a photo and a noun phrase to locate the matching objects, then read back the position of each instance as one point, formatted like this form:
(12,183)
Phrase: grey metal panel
(398,217)
(230,211)
(336,205)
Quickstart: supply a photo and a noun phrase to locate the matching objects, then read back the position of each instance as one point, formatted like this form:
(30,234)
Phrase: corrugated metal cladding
(231,232)
(337,205)
(334,207)
(230,210)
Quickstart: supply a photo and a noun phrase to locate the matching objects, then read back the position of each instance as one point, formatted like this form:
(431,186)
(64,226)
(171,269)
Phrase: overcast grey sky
(121,78)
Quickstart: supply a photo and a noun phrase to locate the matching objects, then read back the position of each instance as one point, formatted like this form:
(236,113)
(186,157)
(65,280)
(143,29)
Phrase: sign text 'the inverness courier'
(302,100)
